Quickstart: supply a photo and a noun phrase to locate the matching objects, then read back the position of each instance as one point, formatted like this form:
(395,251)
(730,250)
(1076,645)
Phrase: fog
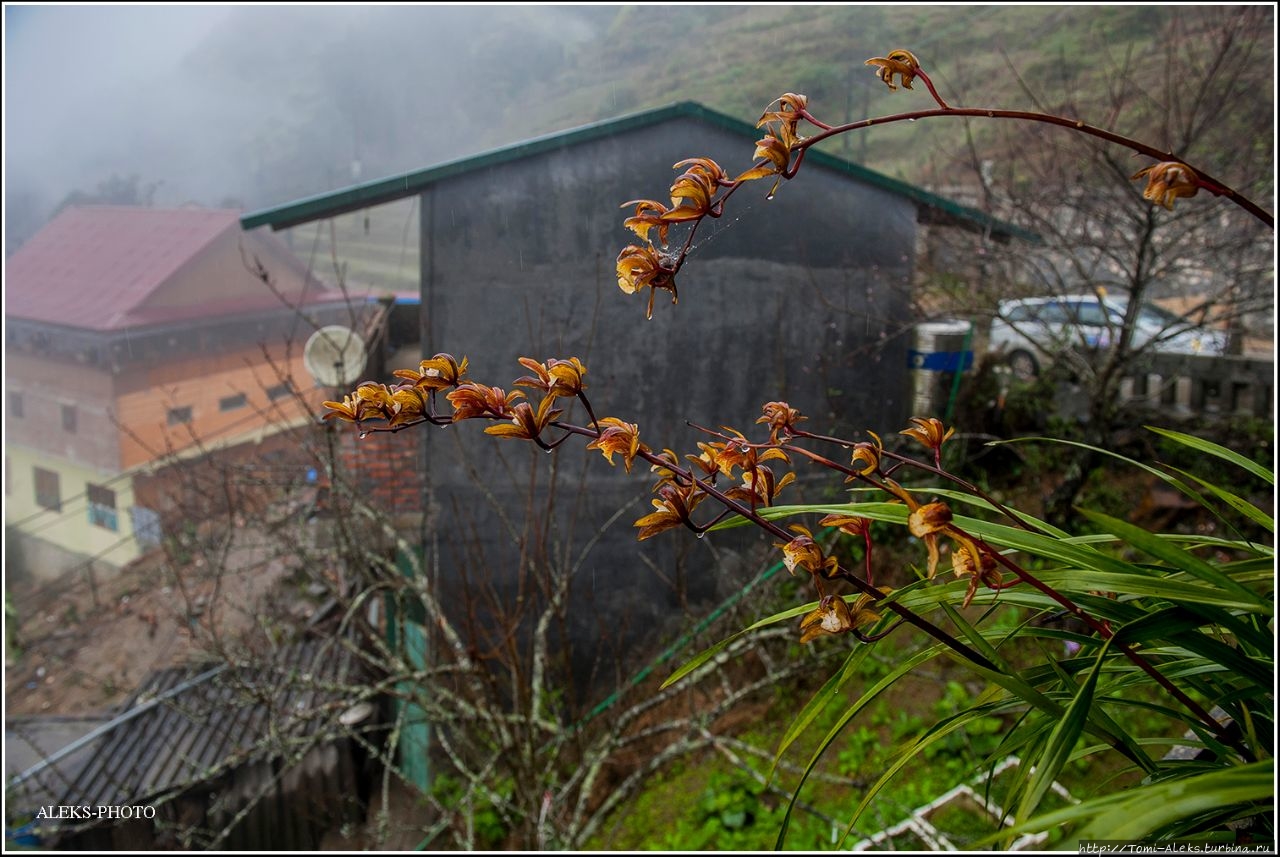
(255,105)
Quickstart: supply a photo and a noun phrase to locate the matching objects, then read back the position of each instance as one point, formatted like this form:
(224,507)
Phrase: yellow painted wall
(68,528)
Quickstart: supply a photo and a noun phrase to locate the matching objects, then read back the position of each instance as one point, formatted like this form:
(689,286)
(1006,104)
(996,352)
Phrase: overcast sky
(250,105)
(69,69)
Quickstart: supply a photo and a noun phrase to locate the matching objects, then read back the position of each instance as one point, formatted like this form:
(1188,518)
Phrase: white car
(1031,331)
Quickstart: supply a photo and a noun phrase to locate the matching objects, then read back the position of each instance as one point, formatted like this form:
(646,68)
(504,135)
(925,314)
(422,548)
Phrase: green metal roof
(380,191)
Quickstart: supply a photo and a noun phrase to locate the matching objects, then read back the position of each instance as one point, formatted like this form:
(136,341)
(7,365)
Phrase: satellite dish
(334,355)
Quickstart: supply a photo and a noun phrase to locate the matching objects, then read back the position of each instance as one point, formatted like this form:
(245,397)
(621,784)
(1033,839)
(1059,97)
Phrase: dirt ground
(82,649)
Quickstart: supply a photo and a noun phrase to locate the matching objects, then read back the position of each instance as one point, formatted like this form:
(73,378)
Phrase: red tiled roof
(95,267)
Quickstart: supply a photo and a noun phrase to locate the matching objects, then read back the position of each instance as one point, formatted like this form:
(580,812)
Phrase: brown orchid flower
(478,400)
(369,402)
(566,376)
(781,419)
(866,456)
(621,437)
(925,523)
(852,525)
(738,452)
(350,409)
(555,378)
(375,401)
(525,423)
(643,267)
(834,616)
(693,192)
(759,486)
(777,154)
(709,461)
(791,107)
(439,373)
(858,527)
(804,552)
(408,404)
(900,62)
(986,572)
(1167,181)
(667,469)
(648,215)
(673,505)
(931,434)
(781,139)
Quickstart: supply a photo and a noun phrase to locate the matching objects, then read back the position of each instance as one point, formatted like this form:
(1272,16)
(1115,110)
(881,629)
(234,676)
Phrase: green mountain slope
(398,88)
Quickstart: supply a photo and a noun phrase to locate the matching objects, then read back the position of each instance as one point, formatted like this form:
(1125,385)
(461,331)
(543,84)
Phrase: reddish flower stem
(1218,188)
(773,529)
(1104,631)
(1101,628)
(865,585)
(929,83)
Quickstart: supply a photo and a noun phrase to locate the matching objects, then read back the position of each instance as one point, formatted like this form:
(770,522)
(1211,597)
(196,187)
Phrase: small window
(178,416)
(69,418)
(231,403)
(1091,313)
(102,508)
(1052,313)
(279,391)
(48,493)
(15,404)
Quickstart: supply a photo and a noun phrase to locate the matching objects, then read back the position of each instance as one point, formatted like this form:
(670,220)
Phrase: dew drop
(769,198)
(911,119)
(363,435)
(1079,124)
(548,451)
(700,535)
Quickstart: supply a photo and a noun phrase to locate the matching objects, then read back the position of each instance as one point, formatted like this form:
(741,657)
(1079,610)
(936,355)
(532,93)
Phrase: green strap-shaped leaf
(1062,740)
(819,701)
(1211,448)
(1143,813)
(706,655)
(1244,507)
(869,695)
(1175,556)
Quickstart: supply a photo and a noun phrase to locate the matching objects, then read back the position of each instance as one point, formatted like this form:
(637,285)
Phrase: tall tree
(1199,87)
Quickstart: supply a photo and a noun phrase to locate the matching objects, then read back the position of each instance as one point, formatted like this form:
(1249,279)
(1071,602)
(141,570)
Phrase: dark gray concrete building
(805,297)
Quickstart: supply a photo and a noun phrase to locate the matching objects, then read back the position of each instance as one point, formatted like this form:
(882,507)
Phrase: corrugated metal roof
(252,711)
(28,741)
(96,267)
(91,265)
(380,191)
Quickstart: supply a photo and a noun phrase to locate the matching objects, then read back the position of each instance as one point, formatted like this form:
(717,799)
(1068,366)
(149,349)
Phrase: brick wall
(243,481)
(385,468)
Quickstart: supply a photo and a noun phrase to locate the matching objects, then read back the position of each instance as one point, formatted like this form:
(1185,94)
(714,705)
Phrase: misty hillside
(399,88)
(275,103)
